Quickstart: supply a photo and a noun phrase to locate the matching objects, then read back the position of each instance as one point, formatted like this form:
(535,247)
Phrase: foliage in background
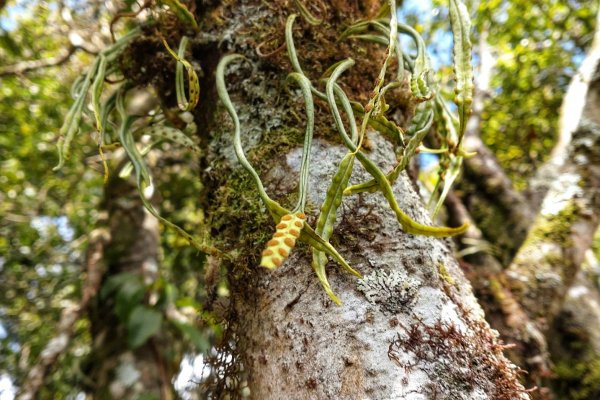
(45,215)
(538,46)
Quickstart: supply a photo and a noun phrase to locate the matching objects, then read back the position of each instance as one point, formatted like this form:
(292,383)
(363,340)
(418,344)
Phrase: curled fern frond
(311,19)
(193,82)
(446,178)
(407,223)
(332,89)
(326,220)
(273,207)
(416,132)
(173,135)
(181,12)
(382,36)
(450,160)
(293,54)
(452,136)
(307,235)
(423,92)
(97,92)
(374,105)
(144,179)
(73,119)
(419,84)
(305,86)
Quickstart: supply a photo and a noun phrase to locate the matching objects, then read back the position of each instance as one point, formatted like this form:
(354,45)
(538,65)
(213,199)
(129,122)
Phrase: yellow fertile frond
(283,241)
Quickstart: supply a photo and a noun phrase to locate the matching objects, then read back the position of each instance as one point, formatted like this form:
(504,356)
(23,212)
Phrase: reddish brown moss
(456,362)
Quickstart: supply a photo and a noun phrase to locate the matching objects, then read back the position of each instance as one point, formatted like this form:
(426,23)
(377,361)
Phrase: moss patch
(579,380)
(555,228)
(445,275)
(239,220)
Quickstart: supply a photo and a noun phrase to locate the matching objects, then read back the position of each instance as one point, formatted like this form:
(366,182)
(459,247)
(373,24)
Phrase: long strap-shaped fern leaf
(95,75)
(307,234)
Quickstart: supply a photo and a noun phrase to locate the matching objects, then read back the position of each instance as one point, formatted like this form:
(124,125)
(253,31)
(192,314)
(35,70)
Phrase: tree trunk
(488,192)
(411,328)
(547,263)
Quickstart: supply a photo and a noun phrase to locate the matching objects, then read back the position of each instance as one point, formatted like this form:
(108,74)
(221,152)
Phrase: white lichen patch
(478,394)
(294,159)
(564,189)
(411,387)
(549,278)
(393,292)
(450,316)
(429,304)
(577,291)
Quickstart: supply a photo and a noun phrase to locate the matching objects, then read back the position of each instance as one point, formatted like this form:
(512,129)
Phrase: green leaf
(129,295)
(461,31)
(116,281)
(199,340)
(143,323)
(183,14)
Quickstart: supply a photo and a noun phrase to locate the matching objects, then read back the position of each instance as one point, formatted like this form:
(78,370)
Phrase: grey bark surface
(291,329)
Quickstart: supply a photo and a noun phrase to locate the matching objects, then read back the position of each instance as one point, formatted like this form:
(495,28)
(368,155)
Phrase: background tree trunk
(114,369)
(557,241)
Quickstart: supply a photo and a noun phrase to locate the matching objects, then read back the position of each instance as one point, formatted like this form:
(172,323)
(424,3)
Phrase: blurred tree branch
(32,65)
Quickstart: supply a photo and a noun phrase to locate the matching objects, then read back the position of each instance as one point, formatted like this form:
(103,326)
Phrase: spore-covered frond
(183,102)
(283,241)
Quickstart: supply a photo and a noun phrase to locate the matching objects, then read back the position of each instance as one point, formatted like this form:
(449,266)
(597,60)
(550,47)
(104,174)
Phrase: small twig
(32,65)
(126,15)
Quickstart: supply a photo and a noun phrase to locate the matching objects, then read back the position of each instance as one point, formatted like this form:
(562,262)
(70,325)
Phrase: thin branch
(570,116)
(32,65)
(547,264)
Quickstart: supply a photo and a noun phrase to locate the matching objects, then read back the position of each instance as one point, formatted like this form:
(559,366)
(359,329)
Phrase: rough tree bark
(411,328)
